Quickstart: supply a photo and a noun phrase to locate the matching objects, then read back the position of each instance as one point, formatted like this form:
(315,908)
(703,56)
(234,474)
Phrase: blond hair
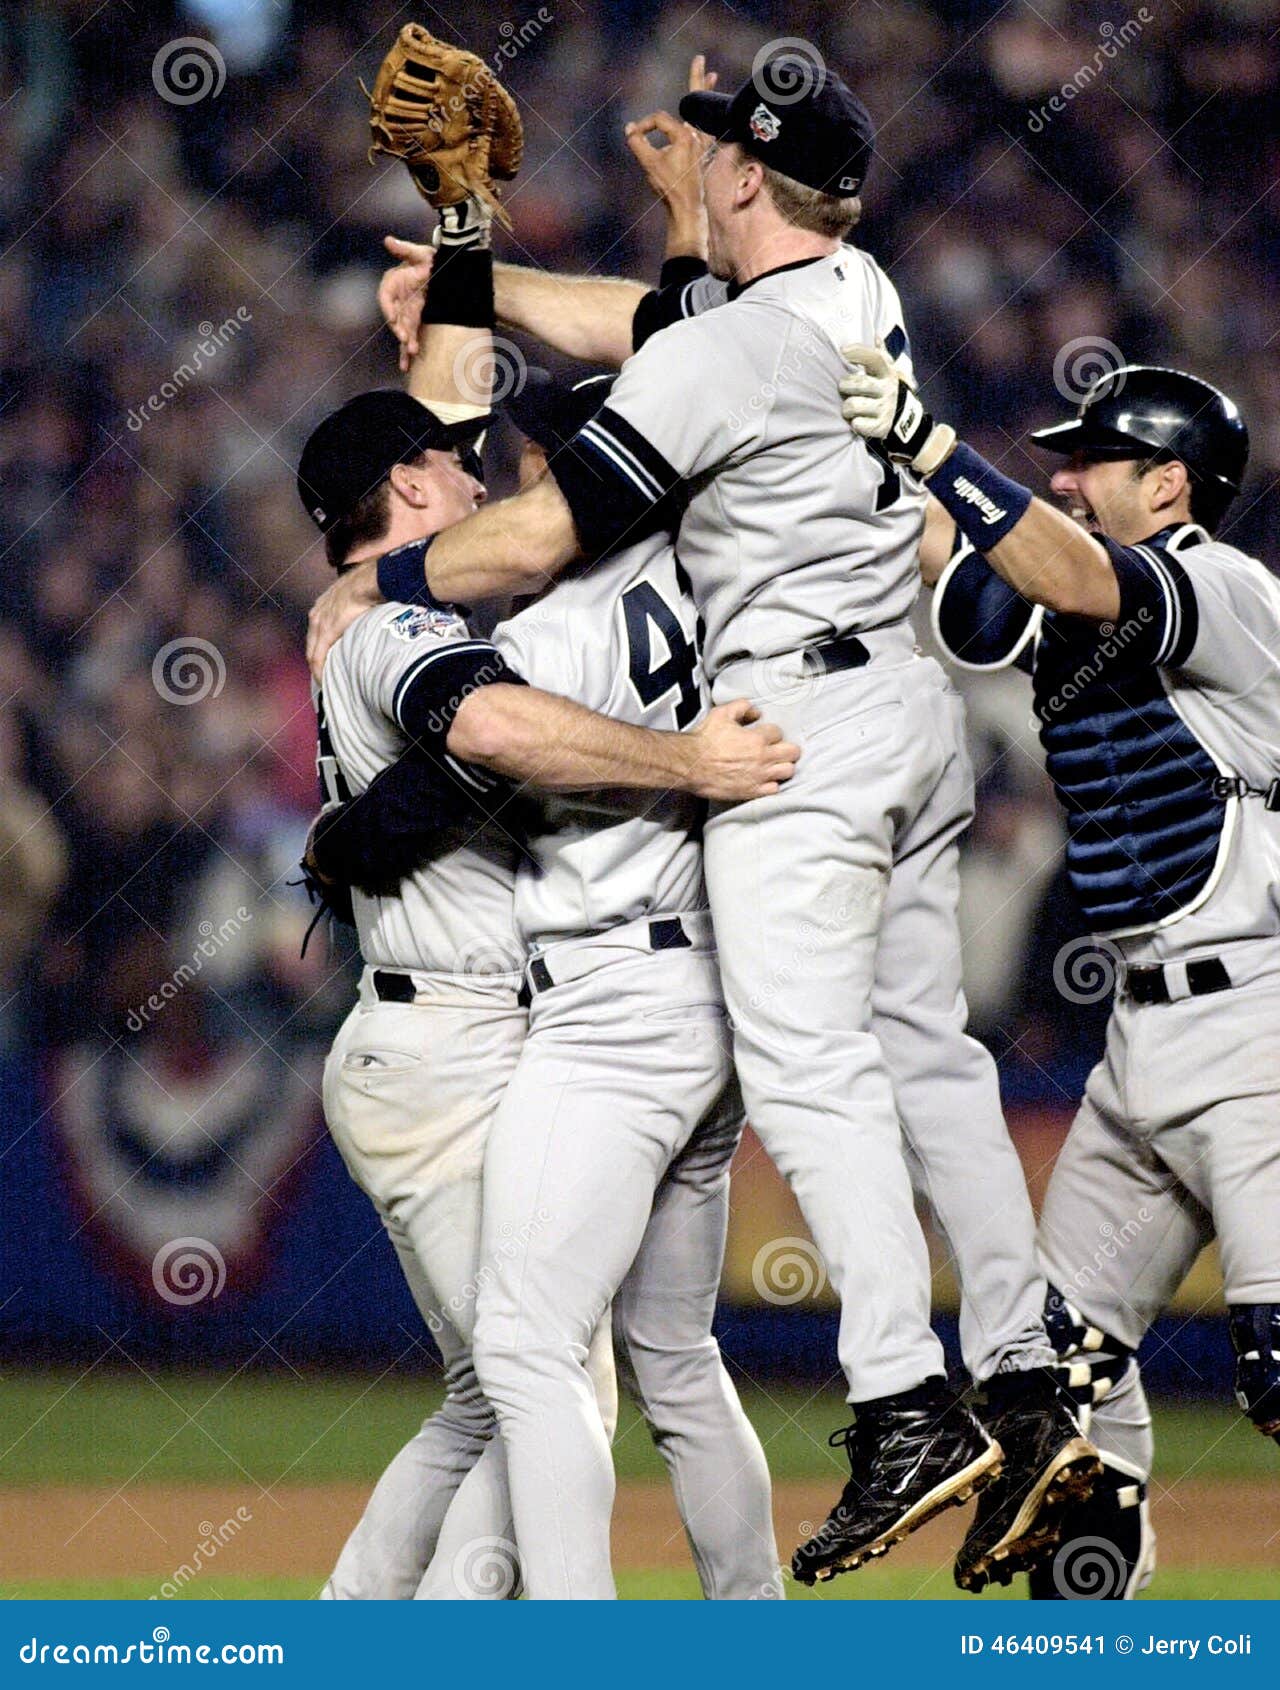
(809,208)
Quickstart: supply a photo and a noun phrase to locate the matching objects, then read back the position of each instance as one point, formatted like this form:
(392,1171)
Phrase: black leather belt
(832,657)
(665,934)
(1148,983)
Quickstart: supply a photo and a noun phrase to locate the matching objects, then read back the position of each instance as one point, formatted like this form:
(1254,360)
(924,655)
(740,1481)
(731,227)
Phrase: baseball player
(988,1223)
(1154,653)
(801,554)
(424,1172)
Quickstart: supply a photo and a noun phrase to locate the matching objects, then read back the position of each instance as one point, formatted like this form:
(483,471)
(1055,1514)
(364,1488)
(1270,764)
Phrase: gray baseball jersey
(454,917)
(411,1092)
(1161,735)
(1161,732)
(791,531)
(623,639)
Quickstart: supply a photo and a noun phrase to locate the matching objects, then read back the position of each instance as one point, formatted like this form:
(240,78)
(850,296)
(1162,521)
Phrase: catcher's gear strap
(980,621)
(618,486)
(461,293)
(1091,1364)
(1255,1337)
(667,302)
(1107,1547)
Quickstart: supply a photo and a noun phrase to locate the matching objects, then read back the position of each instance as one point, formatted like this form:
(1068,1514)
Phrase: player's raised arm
(1038,550)
(670,154)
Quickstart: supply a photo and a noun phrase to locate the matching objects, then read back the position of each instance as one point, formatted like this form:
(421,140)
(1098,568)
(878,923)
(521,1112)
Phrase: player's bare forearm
(515,546)
(1050,560)
(448,366)
(587,317)
(551,742)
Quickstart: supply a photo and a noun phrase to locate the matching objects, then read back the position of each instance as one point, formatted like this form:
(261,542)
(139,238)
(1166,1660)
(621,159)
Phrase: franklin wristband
(984,503)
(402,574)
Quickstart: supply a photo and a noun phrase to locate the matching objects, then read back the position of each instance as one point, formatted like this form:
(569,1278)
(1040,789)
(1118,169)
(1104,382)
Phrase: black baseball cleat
(911,1456)
(1049,1465)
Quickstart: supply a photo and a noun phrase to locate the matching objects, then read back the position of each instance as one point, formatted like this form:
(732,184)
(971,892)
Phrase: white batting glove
(880,404)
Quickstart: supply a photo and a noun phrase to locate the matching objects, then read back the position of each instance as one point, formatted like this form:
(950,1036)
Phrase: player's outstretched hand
(738,756)
(881,404)
(337,608)
(402,290)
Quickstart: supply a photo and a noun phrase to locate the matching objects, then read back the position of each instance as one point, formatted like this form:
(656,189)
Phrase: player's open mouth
(1084,515)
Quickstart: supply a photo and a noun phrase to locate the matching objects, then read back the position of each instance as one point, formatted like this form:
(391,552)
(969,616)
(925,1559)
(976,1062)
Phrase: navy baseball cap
(551,409)
(360,443)
(805,124)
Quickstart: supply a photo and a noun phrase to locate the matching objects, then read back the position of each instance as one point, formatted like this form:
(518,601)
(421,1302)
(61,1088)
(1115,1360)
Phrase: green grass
(60,1427)
(118,1427)
(872,1584)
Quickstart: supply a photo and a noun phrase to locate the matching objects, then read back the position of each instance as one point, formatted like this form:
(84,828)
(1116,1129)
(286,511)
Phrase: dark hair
(1210,500)
(366,521)
(363,522)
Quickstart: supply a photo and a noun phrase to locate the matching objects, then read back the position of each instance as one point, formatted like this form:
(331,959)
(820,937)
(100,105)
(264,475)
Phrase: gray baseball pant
(626,1057)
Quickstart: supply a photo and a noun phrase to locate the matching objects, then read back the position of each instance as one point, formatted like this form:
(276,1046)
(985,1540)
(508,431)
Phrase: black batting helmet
(1143,411)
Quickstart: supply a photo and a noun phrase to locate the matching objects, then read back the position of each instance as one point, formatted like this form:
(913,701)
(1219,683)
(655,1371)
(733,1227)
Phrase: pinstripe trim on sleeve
(617,484)
(624,461)
(1156,595)
(430,692)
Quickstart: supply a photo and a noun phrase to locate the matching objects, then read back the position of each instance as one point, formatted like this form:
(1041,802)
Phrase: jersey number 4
(645,609)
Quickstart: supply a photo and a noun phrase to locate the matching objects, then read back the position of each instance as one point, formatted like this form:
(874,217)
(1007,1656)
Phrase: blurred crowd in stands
(186,286)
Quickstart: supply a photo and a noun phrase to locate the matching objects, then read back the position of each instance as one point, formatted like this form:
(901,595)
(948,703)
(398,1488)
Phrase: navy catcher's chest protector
(1143,820)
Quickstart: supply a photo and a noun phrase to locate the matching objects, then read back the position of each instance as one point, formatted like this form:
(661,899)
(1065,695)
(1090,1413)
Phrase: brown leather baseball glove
(444,112)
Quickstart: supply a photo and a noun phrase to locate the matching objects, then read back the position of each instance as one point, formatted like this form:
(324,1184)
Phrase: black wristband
(461,288)
(402,574)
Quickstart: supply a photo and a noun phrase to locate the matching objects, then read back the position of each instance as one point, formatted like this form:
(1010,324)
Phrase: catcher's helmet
(1142,410)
